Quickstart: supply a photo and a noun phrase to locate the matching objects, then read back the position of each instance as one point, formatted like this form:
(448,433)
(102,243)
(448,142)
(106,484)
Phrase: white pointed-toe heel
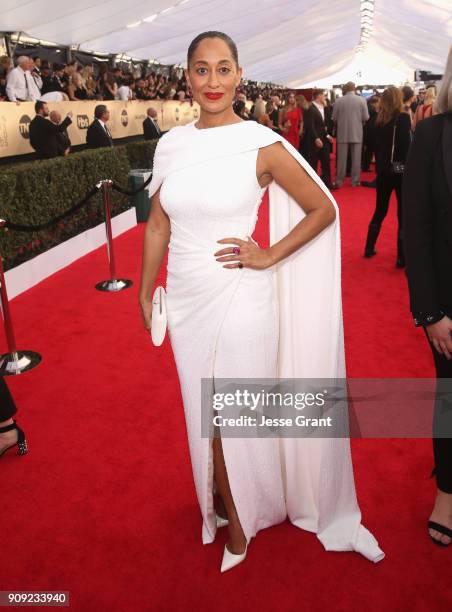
(221,522)
(230,559)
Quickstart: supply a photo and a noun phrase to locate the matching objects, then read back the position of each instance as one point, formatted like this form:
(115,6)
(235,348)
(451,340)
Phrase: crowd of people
(376,129)
(35,79)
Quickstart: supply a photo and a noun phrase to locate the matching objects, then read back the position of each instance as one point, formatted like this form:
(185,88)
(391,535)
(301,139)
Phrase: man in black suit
(151,128)
(44,133)
(98,135)
(53,82)
(316,123)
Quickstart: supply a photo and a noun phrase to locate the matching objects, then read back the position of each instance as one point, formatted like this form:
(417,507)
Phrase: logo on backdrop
(24,126)
(82,122)
(124,118)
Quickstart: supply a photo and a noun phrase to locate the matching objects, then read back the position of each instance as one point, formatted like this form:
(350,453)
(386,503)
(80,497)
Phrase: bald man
(63,141)
(151,129)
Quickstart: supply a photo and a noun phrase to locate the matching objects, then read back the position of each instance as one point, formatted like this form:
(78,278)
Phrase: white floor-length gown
(285,321)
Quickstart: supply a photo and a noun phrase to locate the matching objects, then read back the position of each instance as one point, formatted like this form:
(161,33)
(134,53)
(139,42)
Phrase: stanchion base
(114,285)
(12,364)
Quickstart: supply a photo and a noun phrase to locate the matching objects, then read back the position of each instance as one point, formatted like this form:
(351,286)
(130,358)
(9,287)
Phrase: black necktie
(26,83)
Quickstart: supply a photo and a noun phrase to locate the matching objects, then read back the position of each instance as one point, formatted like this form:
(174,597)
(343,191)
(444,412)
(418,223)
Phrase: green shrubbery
(141,153)
(35,192)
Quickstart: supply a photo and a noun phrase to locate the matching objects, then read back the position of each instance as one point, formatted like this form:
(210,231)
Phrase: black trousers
(442,423)
(368,151)
(323,155)
(387,182)
(7,405)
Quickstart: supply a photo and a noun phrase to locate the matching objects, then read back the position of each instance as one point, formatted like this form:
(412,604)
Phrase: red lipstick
(213,96)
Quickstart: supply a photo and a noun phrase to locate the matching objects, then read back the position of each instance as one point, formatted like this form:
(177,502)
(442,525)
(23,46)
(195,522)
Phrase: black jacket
(63,142)
(51,83)
(44,136)
(427,219)
(149,130)
(383,135)
(97,137)
(369,129)
(314,125)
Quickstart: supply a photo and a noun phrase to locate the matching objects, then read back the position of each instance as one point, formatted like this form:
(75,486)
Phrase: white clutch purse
(159,321)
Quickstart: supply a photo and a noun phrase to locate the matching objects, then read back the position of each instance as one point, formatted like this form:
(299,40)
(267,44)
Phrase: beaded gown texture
(284,321)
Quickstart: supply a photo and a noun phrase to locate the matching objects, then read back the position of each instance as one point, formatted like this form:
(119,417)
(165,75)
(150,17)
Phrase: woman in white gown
(236,310)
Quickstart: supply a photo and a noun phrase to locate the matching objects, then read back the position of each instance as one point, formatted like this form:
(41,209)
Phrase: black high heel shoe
(441,529)
(21,441)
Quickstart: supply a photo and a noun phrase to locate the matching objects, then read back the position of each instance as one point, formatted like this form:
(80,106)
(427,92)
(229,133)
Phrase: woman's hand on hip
(439,334)
(244,254)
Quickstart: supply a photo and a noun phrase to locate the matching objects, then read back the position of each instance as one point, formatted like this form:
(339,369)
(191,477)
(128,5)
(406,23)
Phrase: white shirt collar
(320,107)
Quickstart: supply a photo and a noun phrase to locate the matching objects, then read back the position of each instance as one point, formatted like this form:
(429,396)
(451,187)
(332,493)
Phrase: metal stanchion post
(15,362)
(113,284)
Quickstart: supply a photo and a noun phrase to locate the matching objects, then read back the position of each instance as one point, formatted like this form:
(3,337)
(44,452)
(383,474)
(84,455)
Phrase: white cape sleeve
(317,472)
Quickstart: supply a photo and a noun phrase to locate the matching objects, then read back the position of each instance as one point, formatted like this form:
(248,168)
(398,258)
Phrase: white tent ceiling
(291,42)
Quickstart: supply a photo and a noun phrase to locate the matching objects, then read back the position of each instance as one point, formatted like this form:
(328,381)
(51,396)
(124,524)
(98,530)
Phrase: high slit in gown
(284,321)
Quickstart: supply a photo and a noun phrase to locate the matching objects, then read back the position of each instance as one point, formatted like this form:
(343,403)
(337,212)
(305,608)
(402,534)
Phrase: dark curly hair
(213,34)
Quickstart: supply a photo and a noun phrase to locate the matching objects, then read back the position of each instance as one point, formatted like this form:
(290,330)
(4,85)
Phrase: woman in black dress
(391,125)
(427,198)
(108,86)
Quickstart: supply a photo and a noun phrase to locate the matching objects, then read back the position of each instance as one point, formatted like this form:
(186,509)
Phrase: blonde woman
(259,109)
(90,82)
(77,89)
(264,118)
(426,109)
(291,120)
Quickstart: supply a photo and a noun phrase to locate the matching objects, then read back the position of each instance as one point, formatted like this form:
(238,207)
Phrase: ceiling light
(151,18)
(170,8)
(134,24)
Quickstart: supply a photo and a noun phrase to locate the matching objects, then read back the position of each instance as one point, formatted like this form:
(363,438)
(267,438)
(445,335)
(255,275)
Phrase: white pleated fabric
(230,323)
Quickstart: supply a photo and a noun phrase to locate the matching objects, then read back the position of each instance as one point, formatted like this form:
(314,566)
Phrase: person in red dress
(291,121)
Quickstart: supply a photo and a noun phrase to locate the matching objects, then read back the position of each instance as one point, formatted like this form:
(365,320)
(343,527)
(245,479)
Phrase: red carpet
(104,504)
